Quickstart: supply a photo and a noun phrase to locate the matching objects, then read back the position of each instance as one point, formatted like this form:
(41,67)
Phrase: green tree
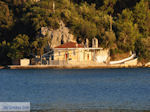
(127,31)
(39,17)
(6,21)
(86,30)
(142,48)
(108,6)
(20,47)
(124,4)
(39,44)
(5,15)
(142,17)
(4,49)
(108,40)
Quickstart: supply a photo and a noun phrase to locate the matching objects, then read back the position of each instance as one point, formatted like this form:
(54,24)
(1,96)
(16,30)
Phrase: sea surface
(67,90)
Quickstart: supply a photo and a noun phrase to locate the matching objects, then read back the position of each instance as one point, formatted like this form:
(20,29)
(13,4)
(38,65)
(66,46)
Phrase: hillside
(121,25)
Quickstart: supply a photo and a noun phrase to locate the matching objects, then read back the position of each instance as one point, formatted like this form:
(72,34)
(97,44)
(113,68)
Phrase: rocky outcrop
(147,64)
(59,36)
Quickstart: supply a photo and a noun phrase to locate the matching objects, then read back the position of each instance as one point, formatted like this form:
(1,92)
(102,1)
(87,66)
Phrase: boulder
(59,36)
(147,64)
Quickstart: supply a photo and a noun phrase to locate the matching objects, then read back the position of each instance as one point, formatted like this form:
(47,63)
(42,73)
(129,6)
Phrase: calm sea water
(77,88)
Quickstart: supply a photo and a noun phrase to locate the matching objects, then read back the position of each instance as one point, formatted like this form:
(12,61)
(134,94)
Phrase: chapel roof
(70,45)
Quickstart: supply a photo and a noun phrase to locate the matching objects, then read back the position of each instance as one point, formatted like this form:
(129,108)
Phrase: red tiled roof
(70,45)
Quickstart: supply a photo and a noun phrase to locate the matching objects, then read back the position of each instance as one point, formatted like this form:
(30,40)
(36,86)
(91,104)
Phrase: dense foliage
(121,25)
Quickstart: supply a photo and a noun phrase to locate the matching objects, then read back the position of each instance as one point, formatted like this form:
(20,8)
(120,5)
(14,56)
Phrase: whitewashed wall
(24,62)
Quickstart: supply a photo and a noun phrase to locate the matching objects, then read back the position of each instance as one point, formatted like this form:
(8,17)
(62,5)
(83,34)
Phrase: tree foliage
(142,17)
(124,24)
(20,47)
(39,44)
(143,49)
(127,31)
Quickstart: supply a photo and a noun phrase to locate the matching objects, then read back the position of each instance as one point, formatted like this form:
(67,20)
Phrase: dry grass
(120,56)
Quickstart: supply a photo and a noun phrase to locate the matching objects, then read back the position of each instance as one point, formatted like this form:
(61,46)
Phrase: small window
(59,53)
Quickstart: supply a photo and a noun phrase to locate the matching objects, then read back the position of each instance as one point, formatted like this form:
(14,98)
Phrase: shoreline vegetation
(121,26)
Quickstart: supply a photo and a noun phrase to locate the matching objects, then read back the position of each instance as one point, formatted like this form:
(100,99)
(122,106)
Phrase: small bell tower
(95,43)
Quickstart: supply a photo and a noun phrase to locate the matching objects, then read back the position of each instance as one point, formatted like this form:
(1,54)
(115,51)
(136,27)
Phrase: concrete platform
(69,66)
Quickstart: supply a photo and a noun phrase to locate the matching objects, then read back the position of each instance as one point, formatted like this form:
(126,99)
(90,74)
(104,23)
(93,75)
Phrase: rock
(147,64)
(59,36)
(139,64)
